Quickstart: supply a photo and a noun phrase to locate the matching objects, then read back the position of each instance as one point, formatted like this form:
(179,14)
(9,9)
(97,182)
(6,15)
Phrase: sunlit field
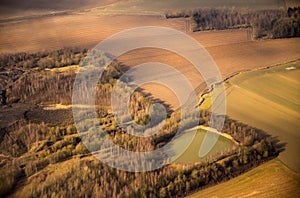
(269,99)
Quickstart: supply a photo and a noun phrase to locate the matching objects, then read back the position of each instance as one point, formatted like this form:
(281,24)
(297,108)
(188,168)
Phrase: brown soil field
(17,8)
(83,30)
(232,50)
(55,4)
(231,58)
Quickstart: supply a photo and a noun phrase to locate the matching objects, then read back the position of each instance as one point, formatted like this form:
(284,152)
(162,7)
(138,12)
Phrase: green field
(161,6)
(269,99)
(272,179)
(192,153)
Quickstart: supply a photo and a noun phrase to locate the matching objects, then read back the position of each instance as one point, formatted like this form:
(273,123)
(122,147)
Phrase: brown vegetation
(33,149)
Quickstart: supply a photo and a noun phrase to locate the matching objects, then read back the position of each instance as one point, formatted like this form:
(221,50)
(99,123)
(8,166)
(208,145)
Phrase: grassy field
(159,7)
(272,179)
(192,153)
(269,99)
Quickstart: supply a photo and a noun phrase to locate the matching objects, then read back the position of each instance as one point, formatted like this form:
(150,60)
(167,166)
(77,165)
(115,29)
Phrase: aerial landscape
(92,102)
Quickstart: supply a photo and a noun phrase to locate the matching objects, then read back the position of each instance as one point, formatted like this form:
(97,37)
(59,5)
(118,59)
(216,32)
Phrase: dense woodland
(265,23)
(41,157)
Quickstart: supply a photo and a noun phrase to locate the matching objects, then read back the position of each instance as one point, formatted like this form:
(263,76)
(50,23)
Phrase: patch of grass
(192,152)
(272,179)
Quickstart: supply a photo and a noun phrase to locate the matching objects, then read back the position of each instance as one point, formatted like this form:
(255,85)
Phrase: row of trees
(286,25)
(265,23)
(46,59)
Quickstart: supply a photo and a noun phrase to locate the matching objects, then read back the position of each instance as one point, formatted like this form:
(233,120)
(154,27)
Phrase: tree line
(265,23)
(46,59)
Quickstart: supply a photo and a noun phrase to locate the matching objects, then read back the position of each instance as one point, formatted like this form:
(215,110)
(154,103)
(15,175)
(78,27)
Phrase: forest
(44,59)
(45,139)
(270,24)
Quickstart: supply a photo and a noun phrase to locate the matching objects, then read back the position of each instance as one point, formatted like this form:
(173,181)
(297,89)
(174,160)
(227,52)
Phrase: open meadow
(191,155)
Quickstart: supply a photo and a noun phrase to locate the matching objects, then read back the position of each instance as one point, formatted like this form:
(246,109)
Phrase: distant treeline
(265,23)
(46,59)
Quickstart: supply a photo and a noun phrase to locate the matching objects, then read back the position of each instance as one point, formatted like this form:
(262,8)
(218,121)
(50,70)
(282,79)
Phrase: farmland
(232,50)
(16,9)
(159,7)
(73,30)
(231,58)
(42,154)
(269,99)
(272,179)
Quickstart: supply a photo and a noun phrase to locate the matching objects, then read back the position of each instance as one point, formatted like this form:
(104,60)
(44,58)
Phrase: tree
(4,97)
